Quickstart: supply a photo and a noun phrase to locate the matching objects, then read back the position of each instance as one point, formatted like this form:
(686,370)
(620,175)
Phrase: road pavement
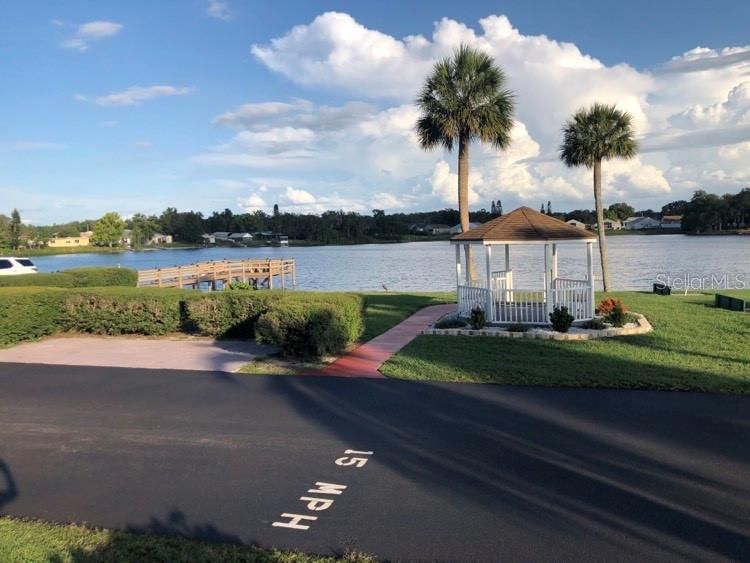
(403,470)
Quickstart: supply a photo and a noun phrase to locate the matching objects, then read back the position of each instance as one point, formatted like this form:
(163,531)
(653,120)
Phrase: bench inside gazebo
(495,291)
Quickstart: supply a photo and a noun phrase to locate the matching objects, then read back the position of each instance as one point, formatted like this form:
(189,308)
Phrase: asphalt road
(457,472)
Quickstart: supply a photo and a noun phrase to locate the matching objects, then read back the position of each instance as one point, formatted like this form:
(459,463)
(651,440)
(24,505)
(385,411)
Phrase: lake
(635,262)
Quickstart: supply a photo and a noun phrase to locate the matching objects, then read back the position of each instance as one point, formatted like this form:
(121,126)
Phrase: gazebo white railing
(496,294)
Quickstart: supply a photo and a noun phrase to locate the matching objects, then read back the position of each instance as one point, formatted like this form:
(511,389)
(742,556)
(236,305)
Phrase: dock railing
(268,273)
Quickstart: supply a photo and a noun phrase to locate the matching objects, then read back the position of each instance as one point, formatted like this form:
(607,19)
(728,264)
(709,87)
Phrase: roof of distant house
(672,218)
(524,225)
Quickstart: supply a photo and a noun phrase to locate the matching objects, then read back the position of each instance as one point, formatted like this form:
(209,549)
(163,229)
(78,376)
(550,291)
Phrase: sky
(211,104)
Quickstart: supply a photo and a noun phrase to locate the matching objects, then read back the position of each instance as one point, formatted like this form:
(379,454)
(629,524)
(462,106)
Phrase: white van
(11,266)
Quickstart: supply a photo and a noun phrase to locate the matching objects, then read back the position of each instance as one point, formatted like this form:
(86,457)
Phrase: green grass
(37,542)
(386,310)
(694,347)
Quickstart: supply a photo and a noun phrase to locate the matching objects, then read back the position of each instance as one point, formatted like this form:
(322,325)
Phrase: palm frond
(465,96)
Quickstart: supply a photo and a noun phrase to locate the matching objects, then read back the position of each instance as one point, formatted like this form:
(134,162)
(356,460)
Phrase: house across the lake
(610,225)
(576,224)
(240,238)
(84,239)
(640,223)
(671,222)
(159,238)
(456,229)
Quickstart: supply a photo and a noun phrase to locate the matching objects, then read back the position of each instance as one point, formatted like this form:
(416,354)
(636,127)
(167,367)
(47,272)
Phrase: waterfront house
(240,238)
(437,229)
(671,222)
(208,239)
(159,238)
(640,223)
(221,236)
(610,225)
(84,239)
(455,229)
(576,224)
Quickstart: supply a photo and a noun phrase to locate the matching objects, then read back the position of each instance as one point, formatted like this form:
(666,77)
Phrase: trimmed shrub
(450,321)
(29,313)
(561,319)
(229,313)
(77,277)
(312,328)
(148,313)
(477,320)
(102,277)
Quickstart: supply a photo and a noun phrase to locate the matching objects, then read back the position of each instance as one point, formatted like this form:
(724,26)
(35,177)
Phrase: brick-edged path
(365,360)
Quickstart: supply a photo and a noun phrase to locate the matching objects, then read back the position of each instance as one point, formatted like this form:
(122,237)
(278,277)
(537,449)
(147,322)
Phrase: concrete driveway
(201,354)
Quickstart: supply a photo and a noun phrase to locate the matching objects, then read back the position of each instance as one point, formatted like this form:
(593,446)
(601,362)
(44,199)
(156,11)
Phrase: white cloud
(253,202)
(144,144)
(134,95)
(445,184)
(686,114)
(89,32)
(219,9)
(292,196)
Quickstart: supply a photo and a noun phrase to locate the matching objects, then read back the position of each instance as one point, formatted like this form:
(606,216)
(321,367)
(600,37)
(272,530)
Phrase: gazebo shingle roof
(524,225)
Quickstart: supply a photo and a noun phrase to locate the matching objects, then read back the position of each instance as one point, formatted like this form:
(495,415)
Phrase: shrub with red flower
(606,306)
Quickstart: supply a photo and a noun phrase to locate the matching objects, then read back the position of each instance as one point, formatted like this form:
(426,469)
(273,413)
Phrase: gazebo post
(547,285)
(468,266)
(592,284)
(554,262)
(458,266)
(507,257)
(488,255)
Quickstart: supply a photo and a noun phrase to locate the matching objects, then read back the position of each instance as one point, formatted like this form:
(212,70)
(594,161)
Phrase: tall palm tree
(593,134)
(465,100)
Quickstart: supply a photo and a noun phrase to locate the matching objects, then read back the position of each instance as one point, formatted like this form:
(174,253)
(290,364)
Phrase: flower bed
(639,326)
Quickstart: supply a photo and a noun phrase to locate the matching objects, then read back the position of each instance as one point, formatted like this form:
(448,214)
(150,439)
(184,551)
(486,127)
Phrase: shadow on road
(615,466)
(8,489)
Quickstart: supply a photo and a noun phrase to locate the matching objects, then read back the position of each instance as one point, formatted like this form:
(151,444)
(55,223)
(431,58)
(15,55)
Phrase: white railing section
(470,296)
(520,306)
(501,281)
(502,303)
(573,294)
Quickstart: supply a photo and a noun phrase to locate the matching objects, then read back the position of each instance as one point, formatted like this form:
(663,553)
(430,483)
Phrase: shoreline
(35,253)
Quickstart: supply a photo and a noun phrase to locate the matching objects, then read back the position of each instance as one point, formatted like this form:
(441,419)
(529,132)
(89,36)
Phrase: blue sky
(200,104)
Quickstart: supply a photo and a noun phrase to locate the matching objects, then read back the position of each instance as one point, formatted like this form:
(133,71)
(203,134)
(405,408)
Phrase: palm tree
(464,100)
(598,133)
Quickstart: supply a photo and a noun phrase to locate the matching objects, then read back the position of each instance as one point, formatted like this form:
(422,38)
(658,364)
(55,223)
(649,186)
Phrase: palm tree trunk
(463,200)
(600,221)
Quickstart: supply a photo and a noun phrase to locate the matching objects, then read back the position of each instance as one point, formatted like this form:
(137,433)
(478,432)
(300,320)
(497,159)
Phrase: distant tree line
(704,213)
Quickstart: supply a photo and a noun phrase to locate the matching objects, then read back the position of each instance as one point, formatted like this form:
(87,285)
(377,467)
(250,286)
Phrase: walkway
(202,354)
(365,360)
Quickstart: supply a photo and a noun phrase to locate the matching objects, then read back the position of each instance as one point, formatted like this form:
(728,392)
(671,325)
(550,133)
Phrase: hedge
(30,313)
(150,312)
(311,328)
(300,323)
(76,277)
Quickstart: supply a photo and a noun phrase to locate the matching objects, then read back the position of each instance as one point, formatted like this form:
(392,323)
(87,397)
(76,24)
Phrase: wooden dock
(262,274)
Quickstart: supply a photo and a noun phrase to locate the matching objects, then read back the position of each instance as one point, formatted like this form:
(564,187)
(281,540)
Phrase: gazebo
(496,294)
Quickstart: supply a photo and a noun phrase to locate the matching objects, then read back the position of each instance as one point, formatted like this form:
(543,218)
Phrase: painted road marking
(294,521)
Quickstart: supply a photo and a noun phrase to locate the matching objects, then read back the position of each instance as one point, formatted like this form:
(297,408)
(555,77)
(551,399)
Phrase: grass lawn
(38,542)
(386,310)
(694,347)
